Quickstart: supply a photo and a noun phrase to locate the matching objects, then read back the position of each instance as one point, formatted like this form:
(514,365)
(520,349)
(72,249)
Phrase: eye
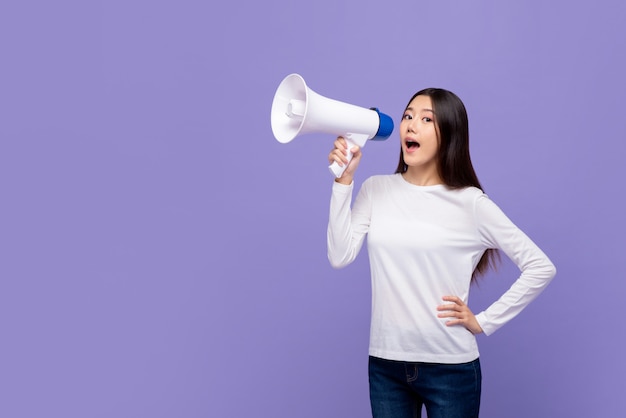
(407,116)
(427,119)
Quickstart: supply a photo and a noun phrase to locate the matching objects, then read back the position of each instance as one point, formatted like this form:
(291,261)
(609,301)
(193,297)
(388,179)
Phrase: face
(418,134)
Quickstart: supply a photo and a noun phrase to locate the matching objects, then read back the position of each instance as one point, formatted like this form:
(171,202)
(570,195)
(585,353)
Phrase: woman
(431,231)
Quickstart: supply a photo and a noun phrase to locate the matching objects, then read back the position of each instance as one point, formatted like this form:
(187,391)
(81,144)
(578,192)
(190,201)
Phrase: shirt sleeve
(347,227)
(497,231)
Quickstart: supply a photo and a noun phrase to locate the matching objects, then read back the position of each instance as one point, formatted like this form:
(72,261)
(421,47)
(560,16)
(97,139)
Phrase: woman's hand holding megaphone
(339,154)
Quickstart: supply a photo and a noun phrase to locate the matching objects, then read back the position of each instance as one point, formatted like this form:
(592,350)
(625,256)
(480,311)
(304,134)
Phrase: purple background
(162,255)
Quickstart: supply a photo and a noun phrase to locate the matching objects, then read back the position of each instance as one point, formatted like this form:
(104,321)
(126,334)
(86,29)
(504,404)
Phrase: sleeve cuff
(484,324)
(343,188)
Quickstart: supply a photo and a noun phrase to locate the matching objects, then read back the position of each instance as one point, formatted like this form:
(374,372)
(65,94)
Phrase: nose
(409,126)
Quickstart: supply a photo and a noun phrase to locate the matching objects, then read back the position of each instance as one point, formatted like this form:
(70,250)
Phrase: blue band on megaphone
(385,127)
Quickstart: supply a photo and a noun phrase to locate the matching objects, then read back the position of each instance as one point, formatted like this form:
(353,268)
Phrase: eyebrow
(423,110)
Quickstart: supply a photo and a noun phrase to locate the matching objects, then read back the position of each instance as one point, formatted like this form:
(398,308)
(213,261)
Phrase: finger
(454,299)
(454,322)
(341,149)
(450,307)
(340,143)
(332,156)
(337,155)
(460,315)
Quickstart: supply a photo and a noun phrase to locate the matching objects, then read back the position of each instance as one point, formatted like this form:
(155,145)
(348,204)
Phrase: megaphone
(298,110)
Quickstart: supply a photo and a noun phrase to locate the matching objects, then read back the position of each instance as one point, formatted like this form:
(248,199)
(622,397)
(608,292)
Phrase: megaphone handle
(335,168)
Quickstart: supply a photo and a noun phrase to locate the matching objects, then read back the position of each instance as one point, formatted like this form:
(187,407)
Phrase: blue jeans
(399,389)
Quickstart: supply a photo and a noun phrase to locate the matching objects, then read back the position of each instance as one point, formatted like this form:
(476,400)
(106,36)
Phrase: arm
(346,227)
(497,231)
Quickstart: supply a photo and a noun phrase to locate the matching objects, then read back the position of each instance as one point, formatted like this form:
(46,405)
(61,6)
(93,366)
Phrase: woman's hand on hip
(459,314)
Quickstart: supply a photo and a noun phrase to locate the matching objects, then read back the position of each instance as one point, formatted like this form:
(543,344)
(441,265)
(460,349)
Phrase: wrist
(344,180)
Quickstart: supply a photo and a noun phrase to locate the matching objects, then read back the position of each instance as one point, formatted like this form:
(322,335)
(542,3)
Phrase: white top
(424,242)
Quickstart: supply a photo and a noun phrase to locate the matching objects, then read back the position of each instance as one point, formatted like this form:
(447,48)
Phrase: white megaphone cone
(298,110)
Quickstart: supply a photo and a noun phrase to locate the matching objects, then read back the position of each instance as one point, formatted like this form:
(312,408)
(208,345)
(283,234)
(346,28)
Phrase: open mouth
(412,144)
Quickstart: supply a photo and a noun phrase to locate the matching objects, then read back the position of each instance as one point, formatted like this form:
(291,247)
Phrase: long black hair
(453,158)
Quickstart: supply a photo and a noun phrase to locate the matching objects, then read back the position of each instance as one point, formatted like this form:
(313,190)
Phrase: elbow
(336,263)
(551,271)
(543,271)
(339,259)
(336,266)
(548,271)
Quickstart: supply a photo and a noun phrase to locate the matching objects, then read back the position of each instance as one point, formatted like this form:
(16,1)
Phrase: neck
(421,178)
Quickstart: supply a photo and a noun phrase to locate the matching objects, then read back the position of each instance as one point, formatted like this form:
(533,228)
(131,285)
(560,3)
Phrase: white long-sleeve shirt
(424,242)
